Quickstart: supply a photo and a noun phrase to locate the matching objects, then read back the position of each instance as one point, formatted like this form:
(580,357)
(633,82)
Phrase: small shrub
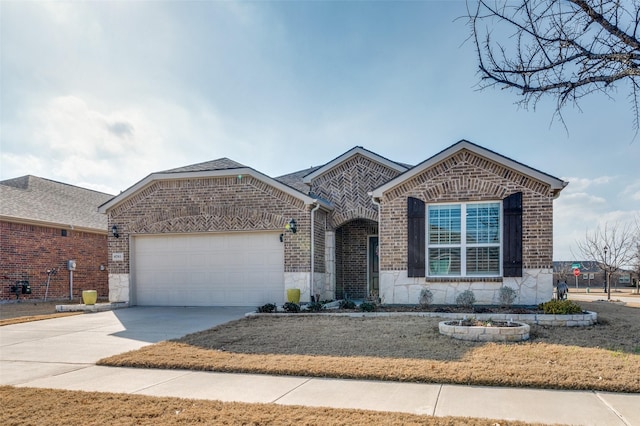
(268,308)
(367,307)
(315,306)
(426,297)
(291,307)
(466,299)
(560,307)
(347,304)
(507,295)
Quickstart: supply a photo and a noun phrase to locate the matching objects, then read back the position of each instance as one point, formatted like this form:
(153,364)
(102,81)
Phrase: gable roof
(358,150)
(556,184)
(34,200)
(215,168)
(296,179)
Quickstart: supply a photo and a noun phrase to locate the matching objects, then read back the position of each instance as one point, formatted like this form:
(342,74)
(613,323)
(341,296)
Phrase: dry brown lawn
(26,311)
(29,406)
(604,357)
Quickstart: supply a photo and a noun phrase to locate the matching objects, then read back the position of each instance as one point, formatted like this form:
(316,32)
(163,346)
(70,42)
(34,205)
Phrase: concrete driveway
(38,349)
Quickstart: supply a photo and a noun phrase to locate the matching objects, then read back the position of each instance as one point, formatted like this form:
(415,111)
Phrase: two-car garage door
(235,269)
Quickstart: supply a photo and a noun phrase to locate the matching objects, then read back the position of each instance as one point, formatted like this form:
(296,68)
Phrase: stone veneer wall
(215,204)
(467,177)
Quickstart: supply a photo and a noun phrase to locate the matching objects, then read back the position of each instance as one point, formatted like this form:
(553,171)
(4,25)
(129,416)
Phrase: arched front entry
(357,265)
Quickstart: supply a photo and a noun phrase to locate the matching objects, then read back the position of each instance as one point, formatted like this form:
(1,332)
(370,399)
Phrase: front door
(373,267)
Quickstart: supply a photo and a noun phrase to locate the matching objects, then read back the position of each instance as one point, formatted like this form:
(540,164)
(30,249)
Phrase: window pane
(483,223)
(483,260)
(444,261)
(444,224)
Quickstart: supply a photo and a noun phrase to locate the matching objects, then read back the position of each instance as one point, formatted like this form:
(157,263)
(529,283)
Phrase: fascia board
(245,171)
(347,155)
(556,184)
(45,224)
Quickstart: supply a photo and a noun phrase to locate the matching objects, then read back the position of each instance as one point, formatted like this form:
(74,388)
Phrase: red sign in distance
(576,272)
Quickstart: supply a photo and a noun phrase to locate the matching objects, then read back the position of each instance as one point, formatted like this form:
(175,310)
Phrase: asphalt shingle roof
(219,164)
(36,199)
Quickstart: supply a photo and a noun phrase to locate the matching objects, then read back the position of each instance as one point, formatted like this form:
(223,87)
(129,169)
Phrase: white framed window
(464,239)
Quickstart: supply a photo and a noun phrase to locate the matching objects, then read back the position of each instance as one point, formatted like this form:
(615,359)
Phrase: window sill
(463,279)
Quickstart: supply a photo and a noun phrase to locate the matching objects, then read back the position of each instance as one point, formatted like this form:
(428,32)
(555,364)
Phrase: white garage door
(239,269)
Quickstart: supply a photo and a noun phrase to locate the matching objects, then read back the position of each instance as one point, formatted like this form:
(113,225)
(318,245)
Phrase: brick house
(43,225)
(221,233)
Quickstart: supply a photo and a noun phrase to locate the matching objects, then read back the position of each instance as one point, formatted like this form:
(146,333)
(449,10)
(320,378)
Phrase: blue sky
(101,94)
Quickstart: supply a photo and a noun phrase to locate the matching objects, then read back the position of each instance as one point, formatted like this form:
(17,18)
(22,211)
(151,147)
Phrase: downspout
(313,210)
(377,204)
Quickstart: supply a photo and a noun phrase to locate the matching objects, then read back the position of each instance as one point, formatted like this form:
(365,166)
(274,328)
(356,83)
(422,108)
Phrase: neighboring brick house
(591,275)
(43,225)
(221,233)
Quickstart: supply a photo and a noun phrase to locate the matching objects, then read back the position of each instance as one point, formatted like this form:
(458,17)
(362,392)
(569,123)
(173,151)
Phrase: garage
(215,269)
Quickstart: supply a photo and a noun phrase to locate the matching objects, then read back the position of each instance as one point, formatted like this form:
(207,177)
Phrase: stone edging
(98,307)
(480,333)
(575,320)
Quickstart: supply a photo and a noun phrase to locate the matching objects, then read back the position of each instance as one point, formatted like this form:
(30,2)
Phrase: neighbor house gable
(37,201)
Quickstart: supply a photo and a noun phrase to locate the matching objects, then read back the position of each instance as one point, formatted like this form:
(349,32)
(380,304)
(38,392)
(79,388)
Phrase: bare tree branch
(565,49)
(613,247)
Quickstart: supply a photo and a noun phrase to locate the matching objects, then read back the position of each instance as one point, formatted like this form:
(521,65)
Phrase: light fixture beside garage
(114,231)
(291,226)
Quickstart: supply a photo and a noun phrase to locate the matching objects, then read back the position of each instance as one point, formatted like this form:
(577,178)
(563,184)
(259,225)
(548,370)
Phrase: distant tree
(613,247)
(565,49)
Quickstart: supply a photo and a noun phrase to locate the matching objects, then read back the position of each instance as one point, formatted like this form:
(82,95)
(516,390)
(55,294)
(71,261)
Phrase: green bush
(268,308)
(560,307)
(347,304)
(466,299)
(315,306)
(291,307)
(426,297)
(367,307)
(507,296)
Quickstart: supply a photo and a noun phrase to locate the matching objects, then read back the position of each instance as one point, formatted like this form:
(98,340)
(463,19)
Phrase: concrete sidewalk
(530,405)
(61,354)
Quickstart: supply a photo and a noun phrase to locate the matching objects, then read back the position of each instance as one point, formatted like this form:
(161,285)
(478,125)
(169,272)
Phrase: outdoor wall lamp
(292,226)
(114,231)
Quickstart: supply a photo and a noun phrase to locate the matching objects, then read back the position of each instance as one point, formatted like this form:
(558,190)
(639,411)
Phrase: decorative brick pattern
(462,178)
(220,204)
(28,251)
(347,186)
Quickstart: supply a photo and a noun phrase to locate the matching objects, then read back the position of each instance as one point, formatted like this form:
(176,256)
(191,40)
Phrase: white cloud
(107,150)
(581,183)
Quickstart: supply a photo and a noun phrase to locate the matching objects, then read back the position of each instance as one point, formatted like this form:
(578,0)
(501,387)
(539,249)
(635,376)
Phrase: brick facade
(351,258)
(224,203)
(347,186)
(28,251)
(217,204)
(468,177)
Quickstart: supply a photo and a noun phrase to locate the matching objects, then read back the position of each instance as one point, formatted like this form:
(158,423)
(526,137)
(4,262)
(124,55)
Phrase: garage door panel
(209,269)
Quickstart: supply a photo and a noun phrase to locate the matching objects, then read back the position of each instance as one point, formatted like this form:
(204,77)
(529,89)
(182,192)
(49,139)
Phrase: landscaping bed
(604,356)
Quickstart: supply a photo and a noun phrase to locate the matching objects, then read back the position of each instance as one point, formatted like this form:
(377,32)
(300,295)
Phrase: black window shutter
(416,237)
(512,235)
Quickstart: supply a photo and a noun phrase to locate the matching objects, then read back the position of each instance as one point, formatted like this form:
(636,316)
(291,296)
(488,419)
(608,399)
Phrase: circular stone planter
(515,332)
